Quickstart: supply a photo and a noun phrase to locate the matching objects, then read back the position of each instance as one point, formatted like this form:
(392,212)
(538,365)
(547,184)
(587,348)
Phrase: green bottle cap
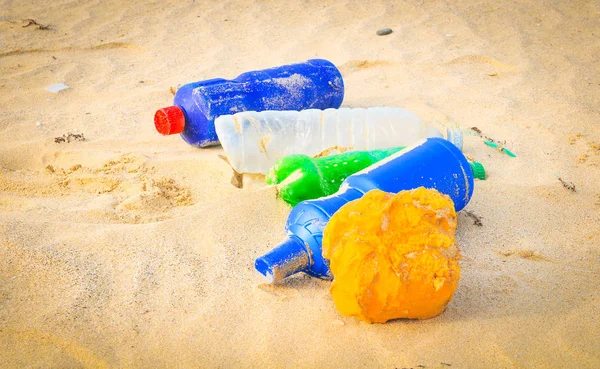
(478,170)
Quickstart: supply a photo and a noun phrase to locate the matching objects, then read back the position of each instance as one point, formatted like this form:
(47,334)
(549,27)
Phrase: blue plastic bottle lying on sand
(431,163)
(314,84)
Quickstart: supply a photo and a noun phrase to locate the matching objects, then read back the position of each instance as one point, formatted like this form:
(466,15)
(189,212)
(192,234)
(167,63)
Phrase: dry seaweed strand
(480,134)
(498,145)
(476,218)
(69,137)
(568,185)
(33,22)
(476,130)
(173,90)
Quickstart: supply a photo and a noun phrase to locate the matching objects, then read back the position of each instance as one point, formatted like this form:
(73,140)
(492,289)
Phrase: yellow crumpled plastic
(393,256)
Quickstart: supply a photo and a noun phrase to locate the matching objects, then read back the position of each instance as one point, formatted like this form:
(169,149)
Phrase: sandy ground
(133,250)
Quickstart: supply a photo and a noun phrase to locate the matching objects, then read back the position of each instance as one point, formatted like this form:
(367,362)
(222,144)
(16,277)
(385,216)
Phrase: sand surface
(133,250)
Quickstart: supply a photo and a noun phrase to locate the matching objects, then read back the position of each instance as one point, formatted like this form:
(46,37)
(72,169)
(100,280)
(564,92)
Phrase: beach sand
(133,250)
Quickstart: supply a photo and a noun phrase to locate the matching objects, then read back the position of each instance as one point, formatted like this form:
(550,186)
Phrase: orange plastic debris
(393,256)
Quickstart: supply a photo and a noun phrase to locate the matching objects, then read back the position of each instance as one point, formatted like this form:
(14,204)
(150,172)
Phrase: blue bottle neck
(289,258)
(301,251)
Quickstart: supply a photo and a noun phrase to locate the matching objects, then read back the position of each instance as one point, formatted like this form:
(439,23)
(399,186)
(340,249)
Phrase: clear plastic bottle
(254,141)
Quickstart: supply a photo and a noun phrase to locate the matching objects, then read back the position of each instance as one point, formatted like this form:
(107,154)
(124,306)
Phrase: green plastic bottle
(300,177)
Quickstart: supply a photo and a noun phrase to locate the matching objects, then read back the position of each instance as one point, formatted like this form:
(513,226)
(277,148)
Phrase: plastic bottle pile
(396,202)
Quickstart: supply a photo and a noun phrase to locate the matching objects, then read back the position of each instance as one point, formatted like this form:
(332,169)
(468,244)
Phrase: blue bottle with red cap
(315,84)
(431,163)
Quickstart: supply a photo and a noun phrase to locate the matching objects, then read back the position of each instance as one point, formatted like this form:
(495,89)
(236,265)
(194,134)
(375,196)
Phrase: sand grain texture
(134,250)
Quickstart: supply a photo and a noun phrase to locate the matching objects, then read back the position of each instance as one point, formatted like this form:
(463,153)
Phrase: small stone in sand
(384,31)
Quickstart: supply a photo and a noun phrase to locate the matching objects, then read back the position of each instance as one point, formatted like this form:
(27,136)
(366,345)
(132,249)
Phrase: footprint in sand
(122,190)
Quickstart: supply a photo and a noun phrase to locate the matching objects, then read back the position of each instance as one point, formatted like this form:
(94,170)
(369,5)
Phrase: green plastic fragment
(503,149)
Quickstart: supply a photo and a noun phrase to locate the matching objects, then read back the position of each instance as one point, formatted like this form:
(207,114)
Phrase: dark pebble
(384,31)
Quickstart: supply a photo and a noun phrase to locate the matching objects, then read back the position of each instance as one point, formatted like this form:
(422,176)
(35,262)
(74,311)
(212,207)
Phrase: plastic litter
(316,83)
(300,177)
(393,256)
(254,141)
(478,170)
(502,149)
(431,163)
(57,87)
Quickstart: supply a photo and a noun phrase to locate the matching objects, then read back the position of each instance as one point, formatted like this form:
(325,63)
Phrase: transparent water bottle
(254,141)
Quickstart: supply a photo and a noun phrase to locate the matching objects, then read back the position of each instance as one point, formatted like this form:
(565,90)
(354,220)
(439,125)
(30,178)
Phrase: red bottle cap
(169,120)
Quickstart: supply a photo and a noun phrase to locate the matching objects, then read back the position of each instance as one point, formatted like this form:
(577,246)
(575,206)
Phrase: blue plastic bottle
(316,84)
(431,163)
